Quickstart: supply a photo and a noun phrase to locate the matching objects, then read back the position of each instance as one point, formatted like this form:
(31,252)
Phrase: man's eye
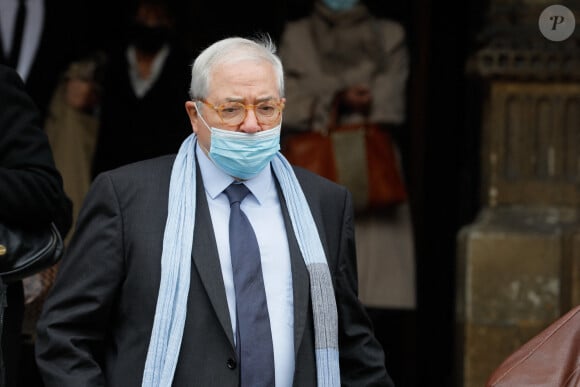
(231,109)
(267,109)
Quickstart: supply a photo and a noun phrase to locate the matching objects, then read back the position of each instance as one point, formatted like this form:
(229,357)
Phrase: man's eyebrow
(242,100)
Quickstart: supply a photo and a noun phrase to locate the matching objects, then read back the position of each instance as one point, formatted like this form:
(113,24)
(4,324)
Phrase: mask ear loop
(203,148)
(200,116)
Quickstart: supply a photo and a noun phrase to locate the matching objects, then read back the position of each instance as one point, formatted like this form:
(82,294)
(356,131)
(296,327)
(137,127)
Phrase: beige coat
(323,54)
(72,137)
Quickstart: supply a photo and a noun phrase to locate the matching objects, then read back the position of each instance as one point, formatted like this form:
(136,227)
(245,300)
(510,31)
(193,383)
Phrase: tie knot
(236,192)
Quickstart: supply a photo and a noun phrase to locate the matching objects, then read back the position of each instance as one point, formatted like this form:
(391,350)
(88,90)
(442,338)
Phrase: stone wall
(518,264)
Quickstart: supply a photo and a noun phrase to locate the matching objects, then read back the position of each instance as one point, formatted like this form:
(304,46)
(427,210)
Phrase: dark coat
(134,129)
(97,322)
(31,191)
(62,40)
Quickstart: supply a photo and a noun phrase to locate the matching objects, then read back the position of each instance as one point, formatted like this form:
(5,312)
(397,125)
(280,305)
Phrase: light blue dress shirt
(262,207)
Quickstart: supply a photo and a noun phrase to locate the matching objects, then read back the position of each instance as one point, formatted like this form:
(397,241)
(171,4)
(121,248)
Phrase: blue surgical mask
(340,5)
(243,155)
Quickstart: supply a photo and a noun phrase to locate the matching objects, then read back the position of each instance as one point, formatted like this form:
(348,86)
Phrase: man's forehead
(235,81)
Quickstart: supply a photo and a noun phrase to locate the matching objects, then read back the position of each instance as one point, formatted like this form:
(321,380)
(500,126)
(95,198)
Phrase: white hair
(233,50)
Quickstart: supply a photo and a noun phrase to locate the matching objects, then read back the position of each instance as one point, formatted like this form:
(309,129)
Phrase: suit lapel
(300,280)
(3,57)
(206,260)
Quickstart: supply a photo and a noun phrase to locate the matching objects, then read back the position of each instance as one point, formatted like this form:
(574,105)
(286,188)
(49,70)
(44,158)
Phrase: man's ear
(190,109)
(192,113)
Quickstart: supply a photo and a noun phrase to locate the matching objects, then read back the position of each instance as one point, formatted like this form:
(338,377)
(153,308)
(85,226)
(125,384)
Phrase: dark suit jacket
(31,191)
(97,322)
(61,41)
(133,129)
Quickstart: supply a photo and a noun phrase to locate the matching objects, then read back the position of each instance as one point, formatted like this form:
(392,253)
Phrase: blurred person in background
(144,88)
(72,124)
(343,57)
(39,39)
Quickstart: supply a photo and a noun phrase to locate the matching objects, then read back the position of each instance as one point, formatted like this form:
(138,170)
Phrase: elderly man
(221,266)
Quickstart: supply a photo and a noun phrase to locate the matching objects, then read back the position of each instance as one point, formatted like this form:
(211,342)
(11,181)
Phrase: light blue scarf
(171,307)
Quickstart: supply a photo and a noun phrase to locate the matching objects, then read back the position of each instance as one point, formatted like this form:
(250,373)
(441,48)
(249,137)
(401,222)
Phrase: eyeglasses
(234,113)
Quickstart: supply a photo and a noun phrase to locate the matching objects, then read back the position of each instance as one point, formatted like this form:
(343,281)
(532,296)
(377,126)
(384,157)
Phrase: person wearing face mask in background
(343,57)
(144,86)
(219,266)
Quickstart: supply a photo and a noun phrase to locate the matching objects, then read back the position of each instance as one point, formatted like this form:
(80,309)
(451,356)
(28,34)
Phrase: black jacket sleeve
(31,189)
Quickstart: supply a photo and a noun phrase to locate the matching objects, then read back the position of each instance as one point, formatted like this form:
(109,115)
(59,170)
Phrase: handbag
(551,358)
(27,251)
(359,156)
(24,252)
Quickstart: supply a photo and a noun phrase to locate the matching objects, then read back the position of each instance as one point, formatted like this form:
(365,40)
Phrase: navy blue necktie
(253,334)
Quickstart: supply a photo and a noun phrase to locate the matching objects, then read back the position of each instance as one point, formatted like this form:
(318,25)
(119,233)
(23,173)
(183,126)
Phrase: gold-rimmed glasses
(234,113)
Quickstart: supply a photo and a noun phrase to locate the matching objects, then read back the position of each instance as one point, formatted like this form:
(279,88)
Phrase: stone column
(518,264)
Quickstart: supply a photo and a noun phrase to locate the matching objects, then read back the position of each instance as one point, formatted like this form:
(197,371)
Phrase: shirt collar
(142,85)
(216,181)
